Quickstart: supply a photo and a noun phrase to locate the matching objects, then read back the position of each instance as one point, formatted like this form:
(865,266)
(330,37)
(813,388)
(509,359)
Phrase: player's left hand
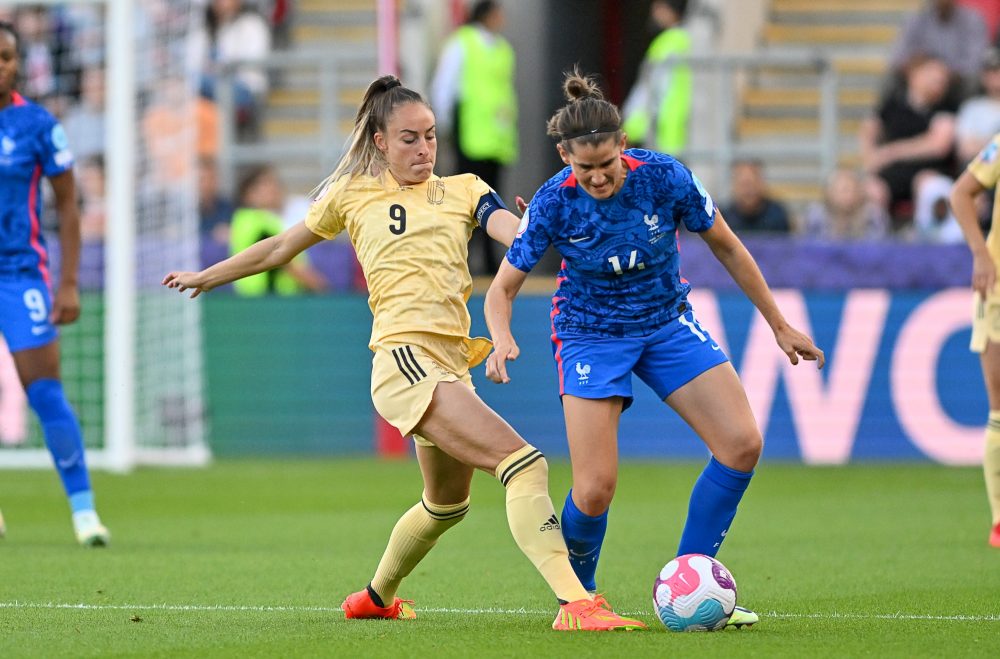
(66,306)
(797,345)
(521,204)
(496,363)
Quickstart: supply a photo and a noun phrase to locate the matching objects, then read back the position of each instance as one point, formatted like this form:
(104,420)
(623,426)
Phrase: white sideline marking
(487,611)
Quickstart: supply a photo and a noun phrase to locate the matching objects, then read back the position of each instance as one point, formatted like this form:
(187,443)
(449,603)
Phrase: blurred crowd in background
(939,106)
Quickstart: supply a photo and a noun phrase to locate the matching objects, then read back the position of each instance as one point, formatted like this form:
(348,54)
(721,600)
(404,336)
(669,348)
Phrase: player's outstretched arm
(261,256)
(734,256)
(963,205)
(498,307)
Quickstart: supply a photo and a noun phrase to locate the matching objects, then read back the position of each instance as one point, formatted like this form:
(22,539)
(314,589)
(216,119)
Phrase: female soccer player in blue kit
(32,145)
(621,308)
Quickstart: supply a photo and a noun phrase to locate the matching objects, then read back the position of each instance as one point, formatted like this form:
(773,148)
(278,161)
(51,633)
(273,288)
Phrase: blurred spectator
(656,110)
(475,101)
(933,221)
(84,121)
(232,33)
(979,117)
(912,129)
(750,207)
(91,190)
(169,120)
(38,66)
(847,212)
(262,198)
(215,210)
(947,31)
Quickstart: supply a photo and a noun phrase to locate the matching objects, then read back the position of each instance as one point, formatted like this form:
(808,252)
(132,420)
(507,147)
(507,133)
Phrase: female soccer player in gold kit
(411,229)
(982,174)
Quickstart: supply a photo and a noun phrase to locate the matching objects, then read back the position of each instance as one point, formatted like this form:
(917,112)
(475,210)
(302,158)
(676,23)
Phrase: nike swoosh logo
(39,329)
(69,462)
(579,239)
(715,347)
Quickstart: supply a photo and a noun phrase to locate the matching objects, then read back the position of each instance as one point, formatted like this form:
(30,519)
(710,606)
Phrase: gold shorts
(406,370)
(985,322)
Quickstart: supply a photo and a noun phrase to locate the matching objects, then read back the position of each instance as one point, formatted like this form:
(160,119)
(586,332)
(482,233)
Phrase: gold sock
(413,536)
(991,464)
(533,521)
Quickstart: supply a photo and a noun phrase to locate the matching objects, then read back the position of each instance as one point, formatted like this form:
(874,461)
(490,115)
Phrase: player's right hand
(182,281)
(984,275)
(496,363)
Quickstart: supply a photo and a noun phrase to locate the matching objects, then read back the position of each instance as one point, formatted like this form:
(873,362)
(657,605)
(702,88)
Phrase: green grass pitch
(252,559)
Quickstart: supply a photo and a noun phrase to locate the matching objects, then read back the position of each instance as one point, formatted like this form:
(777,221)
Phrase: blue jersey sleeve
(694,206)
(531,241)
(53,148)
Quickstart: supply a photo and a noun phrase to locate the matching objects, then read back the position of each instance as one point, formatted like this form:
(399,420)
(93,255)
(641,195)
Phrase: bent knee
(593,496)
(744,452)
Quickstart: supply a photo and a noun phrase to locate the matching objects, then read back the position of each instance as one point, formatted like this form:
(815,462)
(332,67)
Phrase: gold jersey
(413,244)
(986,169)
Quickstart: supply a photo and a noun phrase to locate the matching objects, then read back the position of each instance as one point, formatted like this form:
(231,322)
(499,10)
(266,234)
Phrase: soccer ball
(694,592)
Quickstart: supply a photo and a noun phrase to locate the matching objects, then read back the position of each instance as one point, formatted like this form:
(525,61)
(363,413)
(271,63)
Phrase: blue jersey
(620,272)
(32,145)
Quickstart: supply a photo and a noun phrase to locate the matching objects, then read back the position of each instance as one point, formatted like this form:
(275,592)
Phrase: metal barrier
(721,147)
(329,67)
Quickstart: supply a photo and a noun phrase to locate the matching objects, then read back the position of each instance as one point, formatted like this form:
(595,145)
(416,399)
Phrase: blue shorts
(25,305)
(600,367)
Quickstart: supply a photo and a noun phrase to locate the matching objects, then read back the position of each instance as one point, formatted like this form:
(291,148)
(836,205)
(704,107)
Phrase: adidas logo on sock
(551,524)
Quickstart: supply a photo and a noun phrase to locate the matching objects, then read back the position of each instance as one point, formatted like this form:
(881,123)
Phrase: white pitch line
(233,608)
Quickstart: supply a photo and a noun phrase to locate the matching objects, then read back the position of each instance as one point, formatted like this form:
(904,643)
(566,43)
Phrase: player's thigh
(715,405)
(592,435)
(446,480)
(38,363)
(25,307)
(459,423)
(989,358)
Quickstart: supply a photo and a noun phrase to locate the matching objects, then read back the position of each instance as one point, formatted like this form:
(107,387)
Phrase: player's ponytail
(587,118)
(382,97)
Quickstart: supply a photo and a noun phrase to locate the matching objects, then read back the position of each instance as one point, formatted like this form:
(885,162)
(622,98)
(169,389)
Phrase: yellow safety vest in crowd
(664,127)
(487,105)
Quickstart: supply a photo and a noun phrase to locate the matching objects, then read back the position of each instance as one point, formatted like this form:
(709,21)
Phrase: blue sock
(62,436)
(584,536)
(714,499)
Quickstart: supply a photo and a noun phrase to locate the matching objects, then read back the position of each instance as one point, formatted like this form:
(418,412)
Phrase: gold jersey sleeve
(413,245)
(985,168)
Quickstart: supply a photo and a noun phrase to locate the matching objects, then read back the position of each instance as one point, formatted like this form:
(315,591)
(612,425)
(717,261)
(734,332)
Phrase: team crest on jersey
(653,223)
(583,370)
(435,192)
(989,153)
(7,145)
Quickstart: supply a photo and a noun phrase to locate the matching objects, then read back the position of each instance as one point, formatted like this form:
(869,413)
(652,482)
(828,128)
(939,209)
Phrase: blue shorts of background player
(24,314)
(600,367)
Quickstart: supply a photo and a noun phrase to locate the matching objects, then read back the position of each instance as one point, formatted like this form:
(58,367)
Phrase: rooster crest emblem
(652,222)
(583,370)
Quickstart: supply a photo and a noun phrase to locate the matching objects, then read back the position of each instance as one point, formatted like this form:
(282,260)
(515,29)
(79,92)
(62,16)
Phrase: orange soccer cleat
(360,605)
(589,615)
